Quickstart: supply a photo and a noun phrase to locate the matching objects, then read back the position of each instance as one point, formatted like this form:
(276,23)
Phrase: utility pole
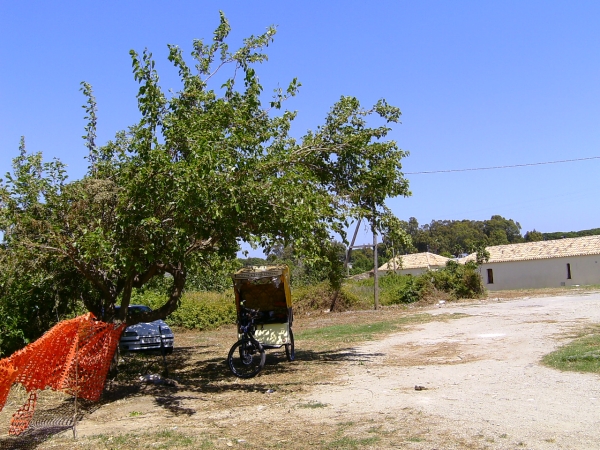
(375,263)
(349,251)
(346,262)
(376,266)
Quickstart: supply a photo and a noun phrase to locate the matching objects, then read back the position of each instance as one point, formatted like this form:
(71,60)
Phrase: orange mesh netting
(74,357)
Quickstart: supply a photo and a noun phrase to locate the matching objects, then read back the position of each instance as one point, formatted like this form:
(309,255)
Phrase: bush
(393,288)
(210,310)
(415,289)
(35,294)
(197,310)
(319,297)
(460,281)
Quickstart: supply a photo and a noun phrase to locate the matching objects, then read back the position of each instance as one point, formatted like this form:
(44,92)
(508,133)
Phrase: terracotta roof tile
(416,261)
(559,248)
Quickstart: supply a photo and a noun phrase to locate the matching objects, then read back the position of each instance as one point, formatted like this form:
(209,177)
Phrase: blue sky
(479,83)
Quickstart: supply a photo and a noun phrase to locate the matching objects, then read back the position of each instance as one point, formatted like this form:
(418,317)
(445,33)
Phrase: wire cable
(502,167)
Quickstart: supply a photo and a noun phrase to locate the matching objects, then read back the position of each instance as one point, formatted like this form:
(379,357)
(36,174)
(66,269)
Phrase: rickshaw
(263,302)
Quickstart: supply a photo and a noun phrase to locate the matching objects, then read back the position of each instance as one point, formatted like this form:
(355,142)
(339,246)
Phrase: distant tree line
(456,237)
(452,238)
(570,234)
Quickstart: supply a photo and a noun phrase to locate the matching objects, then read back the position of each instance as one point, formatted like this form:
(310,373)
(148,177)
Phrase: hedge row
(197,310)
(210,310)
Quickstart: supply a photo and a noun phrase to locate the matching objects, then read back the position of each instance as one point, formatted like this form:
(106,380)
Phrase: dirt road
(482,388)
(481,375)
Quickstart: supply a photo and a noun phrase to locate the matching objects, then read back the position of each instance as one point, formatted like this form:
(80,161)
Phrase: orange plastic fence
(74,357)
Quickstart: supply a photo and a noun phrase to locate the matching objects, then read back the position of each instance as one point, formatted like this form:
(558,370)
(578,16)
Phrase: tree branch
(179,277)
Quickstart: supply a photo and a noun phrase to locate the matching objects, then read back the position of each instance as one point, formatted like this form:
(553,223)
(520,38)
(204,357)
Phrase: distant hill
(570,234)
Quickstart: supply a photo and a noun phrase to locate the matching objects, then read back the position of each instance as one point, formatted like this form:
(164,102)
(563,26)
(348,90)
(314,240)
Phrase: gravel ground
(481,377)
(477,369)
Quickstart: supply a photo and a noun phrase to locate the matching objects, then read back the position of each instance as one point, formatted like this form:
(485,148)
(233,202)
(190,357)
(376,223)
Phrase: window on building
(490,273)
(568,271)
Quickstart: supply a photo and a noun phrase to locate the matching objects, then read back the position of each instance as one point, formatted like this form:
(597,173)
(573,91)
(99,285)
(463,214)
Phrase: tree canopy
(203,169)
(453,237)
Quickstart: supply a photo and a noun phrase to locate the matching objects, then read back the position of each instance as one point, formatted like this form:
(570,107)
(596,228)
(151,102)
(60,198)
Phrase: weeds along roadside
(211,310)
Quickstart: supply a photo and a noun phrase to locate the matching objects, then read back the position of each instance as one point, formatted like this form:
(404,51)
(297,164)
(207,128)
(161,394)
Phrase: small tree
(395,238)
(533,236)
(202,170)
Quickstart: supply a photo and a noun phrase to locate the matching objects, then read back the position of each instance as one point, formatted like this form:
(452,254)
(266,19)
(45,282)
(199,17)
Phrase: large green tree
(453,237)
(205,168)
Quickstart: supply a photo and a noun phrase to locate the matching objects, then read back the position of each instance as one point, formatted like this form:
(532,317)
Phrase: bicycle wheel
(246,358)
(290,352)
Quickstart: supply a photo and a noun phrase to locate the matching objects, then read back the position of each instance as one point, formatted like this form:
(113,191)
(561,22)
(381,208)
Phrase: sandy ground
(483,388)
(482,375)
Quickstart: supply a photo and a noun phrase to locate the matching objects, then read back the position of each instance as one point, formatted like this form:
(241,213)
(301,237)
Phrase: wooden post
(350,248)
(348,252)
(376,266)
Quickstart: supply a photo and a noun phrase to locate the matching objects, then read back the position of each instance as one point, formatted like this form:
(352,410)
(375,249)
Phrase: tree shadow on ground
(192,370)
(207,374)
(48,422)
(31,438)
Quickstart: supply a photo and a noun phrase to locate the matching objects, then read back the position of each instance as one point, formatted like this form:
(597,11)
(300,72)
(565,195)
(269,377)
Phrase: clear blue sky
(479,84)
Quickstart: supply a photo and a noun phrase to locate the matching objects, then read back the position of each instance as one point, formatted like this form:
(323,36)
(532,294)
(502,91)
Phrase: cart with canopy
(264,309)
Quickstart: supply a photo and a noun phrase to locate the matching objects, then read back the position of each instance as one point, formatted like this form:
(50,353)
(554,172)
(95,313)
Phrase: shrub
(460,281)
(318,297)
(209,310)
(413,290)
(198,310)
(393,289)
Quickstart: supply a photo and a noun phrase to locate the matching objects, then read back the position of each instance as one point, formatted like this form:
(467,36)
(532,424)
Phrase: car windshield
(135,310)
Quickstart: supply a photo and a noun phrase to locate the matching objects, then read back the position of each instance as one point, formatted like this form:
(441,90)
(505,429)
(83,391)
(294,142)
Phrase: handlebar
(250,313)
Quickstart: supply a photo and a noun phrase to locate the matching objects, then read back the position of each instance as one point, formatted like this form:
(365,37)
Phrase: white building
(414,264)
(562,262)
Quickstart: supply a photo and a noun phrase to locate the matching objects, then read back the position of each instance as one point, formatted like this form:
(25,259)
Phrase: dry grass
(545,292)
(446,353)
(209,408)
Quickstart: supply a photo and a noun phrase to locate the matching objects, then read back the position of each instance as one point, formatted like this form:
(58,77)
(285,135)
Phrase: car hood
(148,329)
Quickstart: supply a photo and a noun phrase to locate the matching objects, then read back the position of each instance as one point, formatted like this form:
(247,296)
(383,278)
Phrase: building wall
(542,273)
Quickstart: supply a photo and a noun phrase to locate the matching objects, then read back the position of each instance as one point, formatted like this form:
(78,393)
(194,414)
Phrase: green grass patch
(172,437)
(117,440)
(580,355)
(350,333)
(163,439)
(312,405)
(347,333)
(349,442)
(343,425)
